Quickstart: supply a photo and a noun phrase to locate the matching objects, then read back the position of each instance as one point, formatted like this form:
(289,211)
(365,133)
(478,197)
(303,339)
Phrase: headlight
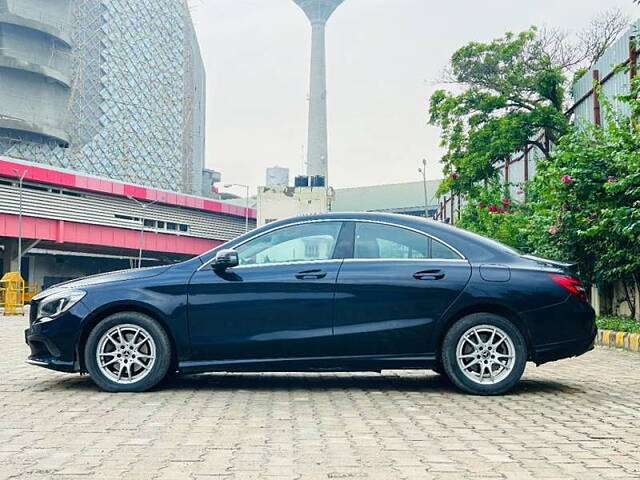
(58,303)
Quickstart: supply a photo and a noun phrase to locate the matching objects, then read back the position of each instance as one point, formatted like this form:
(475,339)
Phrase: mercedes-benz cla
(335,292)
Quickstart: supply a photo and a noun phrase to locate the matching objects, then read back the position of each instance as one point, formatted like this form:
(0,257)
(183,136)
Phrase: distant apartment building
(113,88)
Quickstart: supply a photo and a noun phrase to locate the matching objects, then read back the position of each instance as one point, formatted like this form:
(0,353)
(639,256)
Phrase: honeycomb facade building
(114,88)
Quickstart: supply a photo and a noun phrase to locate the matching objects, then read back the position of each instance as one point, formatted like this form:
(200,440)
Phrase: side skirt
(366,363)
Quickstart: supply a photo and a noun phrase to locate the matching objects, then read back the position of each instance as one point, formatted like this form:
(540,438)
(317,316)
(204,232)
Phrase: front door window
(298,243)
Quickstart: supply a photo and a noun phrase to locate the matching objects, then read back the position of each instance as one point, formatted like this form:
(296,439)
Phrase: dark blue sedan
(335,292)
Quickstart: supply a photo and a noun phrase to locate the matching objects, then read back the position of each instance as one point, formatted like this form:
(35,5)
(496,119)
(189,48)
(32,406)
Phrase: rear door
(397,285)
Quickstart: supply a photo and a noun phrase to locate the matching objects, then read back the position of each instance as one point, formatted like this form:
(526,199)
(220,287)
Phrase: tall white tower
(318,12)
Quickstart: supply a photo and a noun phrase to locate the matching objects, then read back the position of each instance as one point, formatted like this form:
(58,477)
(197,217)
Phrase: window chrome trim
(281,264)
(340,219)
(438,260)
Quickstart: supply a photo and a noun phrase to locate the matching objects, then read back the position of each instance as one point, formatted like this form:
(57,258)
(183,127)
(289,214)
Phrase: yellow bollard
(12,285)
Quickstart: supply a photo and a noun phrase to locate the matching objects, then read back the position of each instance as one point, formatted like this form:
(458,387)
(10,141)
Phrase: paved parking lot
(578,418)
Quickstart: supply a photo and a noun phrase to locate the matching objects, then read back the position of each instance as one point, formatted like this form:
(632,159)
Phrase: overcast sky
(382,59)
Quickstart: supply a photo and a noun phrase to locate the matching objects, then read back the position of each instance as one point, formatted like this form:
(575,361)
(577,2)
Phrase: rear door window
(374,240)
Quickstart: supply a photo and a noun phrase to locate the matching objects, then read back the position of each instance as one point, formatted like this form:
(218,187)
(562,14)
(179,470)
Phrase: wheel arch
(492,308)
(99,315)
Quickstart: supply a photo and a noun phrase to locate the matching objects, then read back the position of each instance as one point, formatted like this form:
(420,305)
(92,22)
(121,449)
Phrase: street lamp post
(20,182)
(144,207)
(423,170)
(246,209)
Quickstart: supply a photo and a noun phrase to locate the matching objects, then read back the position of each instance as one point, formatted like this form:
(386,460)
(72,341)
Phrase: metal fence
(613,71)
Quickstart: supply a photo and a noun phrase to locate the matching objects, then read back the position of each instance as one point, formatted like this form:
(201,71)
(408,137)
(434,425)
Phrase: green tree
(513,92)
(510,93)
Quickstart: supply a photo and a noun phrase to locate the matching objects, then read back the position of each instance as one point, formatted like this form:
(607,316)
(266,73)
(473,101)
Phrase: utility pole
(144,207)
(20,182)
(246,205)
(423,170)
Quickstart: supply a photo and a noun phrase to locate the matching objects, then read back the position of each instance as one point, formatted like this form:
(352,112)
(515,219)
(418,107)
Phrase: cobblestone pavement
(578,418)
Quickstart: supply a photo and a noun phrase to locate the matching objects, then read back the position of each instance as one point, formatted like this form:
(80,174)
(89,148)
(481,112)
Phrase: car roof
(473,247)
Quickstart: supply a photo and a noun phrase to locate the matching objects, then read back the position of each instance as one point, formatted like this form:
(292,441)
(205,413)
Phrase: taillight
(572,284)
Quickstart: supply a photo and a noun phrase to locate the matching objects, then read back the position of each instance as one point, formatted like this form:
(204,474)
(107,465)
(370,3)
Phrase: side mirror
(225,259)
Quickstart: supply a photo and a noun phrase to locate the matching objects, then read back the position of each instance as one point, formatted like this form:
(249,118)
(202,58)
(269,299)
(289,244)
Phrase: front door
(278,303)
(393,290)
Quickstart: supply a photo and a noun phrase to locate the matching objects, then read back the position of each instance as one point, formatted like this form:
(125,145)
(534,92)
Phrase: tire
(138,363)
(492,351)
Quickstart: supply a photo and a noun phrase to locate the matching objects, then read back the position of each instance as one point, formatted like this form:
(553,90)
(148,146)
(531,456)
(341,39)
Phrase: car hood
(111,277)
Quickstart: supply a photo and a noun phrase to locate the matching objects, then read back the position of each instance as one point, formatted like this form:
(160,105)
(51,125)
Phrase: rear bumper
(564,330)
(570,348)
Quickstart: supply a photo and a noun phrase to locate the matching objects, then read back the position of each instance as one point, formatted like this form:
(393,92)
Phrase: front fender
(167,304)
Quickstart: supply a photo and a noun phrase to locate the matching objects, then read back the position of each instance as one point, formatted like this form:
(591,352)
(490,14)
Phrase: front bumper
(53,344)
(45,353)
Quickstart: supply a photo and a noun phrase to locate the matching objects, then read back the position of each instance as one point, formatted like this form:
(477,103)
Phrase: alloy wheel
(485,354)
(126,353)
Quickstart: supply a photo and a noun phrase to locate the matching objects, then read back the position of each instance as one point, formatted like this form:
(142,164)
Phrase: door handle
(311,275)
(429,275)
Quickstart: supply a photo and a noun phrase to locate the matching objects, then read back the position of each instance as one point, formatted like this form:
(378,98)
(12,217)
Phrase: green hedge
(619,324)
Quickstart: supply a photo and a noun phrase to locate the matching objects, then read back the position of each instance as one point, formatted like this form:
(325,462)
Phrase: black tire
(156,372)
(470,382)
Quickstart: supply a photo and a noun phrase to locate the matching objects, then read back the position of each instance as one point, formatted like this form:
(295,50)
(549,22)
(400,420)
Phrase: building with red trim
(74,224)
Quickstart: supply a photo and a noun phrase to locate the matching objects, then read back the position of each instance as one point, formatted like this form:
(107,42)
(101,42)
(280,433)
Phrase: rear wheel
(484,354)
(127,352)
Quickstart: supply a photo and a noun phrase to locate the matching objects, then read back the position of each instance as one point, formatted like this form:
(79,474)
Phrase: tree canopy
(512,94)
(509,94)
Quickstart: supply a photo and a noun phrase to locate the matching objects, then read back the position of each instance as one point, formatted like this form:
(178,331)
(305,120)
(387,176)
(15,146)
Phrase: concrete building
(406,198)
(114,88)
(74,225)
(318,12)
(277,203)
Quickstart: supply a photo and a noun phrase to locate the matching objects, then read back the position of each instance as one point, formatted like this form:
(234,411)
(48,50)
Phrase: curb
(624,340)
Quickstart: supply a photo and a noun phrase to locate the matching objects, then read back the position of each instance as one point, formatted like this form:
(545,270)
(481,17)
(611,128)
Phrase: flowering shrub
(583,205)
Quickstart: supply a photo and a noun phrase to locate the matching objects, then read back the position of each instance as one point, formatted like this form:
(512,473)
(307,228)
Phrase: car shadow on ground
(423,383)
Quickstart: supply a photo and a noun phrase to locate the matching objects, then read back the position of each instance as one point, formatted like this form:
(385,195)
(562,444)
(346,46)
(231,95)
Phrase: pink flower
(566,179)
(506,201)
(454,175)
(493,208)
(612,179)
(553,230)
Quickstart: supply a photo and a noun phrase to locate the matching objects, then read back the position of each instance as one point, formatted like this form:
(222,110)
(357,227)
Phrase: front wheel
(127,352)
(484,354)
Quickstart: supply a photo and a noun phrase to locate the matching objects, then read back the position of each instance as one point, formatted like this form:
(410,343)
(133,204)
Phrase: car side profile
(332,292)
